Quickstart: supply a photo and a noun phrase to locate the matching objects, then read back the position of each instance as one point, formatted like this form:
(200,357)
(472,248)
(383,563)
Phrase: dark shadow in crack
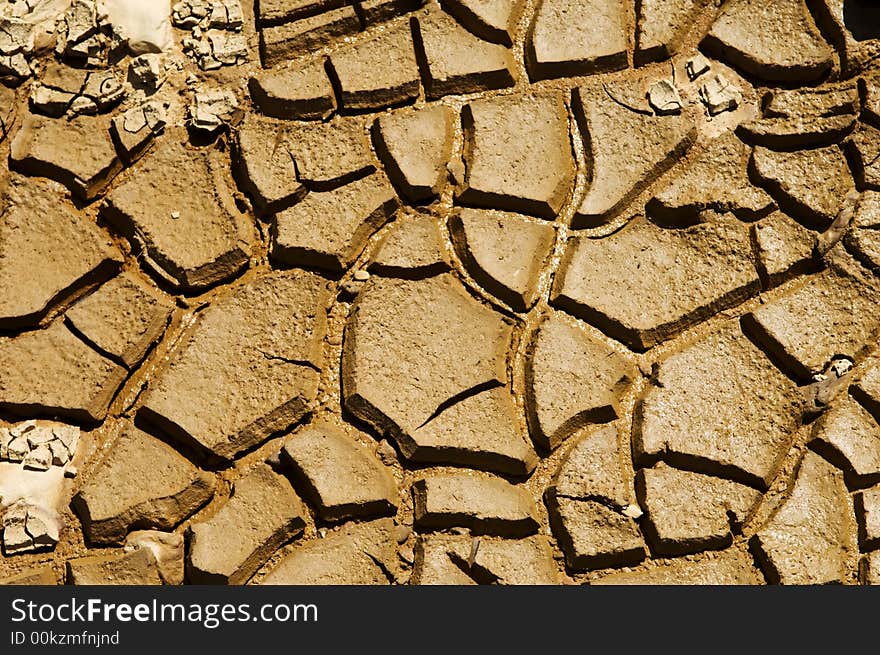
(862,19)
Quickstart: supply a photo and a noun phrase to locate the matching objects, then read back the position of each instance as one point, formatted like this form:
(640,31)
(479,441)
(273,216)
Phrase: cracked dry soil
(468,292)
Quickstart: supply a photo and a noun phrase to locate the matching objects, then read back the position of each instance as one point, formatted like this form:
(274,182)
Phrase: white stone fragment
(696,66)
(719,95)
(146,72)
(144,24)
(38,459)
(663,98)
(211,108)
(28,527)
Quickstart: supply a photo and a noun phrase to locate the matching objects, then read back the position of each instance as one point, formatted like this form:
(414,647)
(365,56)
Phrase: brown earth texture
(457,292)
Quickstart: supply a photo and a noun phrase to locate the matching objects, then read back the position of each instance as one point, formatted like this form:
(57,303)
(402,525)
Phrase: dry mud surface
(468,292)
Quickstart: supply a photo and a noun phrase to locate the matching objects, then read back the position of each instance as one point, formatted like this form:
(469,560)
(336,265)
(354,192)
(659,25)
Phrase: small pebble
(406,554)
(361,275)
(386,453)
(696,66)
(632,511)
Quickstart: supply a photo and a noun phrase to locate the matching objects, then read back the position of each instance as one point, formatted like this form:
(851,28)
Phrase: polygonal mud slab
(280,43)
(451,560)
(863,238)
(263,165)
(504,252)
(454,61)
(413,348)
(47,252)
(732,567)
(591,504)
(78,153)
(832,316)
(339,477)
(52,372)
(123,318)
(231,545)
(356,554)
(807,539)
(593,535)
(192,234)
(719,407)
(662,25)
(783,248)
(329,230)
(142,483)
(330,155)
(481,431)
(849,437)
(303,93)
(412,248)
(482,503)
(137,567)
(716,179)
(517,154)
(568,39)
(378,73)
(492,20)
(572,379)
(415,147)
(263,346)
(776,42)
(688,512)
(627,147)
(809,185)
(41,576)
(644,284)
